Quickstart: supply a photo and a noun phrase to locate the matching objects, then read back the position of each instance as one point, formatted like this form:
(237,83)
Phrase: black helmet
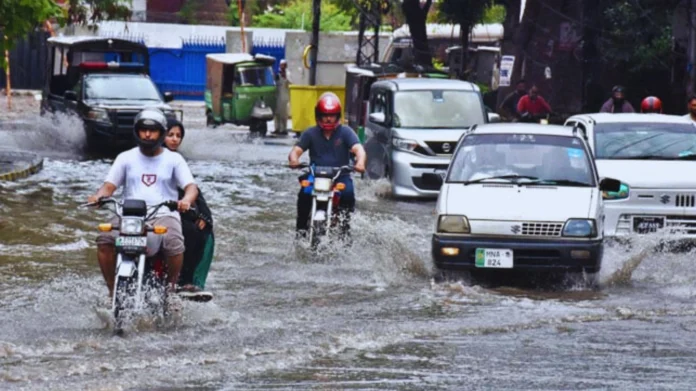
(617,89)
(152,119)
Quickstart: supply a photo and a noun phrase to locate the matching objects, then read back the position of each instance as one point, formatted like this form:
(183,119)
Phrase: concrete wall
(234,41)
(335,50)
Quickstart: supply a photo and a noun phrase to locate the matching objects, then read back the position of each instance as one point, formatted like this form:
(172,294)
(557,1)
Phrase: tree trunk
(464,27)
(416,17)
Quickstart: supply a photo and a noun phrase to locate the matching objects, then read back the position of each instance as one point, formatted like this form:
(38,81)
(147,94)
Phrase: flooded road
(365,318)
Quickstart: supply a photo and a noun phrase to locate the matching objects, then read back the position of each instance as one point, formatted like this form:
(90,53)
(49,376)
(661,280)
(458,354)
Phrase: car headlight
(404,144)
(453,224)
(622,194)
(99,115)
(131,226)
(322,184)
(580,228)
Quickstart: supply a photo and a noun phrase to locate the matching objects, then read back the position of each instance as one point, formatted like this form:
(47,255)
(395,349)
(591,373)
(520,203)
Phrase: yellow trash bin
(303,99)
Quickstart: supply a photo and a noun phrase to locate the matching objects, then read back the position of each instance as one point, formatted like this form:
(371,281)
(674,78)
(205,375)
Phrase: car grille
(685,201)
(440,148)
(541,229)
(125,118)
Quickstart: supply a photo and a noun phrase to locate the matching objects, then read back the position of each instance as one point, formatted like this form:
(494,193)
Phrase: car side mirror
(432,179)
(378,118)
(493,117)
(70,95)
(610,185)
(168,97)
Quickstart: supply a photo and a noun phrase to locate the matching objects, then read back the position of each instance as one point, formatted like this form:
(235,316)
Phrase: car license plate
(647,224)
(131,241)
(500,258)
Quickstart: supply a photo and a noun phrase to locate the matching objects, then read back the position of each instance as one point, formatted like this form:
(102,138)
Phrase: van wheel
(210,120)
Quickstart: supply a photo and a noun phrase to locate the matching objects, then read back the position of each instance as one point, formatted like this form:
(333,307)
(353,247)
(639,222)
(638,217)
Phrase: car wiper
(508,177)
(563,182)
(640,157)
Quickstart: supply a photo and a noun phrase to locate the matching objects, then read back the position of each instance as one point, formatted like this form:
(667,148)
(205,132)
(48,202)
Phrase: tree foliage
(19,17)
(643,48)
(297,14)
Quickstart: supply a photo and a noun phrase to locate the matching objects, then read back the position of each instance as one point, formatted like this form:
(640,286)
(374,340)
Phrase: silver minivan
(413,127)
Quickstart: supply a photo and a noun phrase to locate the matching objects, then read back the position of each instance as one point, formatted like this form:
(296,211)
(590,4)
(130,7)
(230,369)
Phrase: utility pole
(240,9)
(313,52)
(691,51)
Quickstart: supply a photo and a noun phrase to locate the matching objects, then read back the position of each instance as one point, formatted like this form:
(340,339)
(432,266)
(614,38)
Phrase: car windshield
(437,109)
(522,158)
(255,76)
(661,141)
(120,87)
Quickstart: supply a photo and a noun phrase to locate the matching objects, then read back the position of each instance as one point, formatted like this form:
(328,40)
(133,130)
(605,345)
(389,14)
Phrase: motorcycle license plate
(131,241)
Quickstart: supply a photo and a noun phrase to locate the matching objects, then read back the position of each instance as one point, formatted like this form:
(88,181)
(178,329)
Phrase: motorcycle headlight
(131,226)
(453,224)
(99,115)
(403,144)
(322,184)
(580,228)
(622,194)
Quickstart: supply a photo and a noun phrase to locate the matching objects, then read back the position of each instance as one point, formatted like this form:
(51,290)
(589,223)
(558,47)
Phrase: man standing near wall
(282,99)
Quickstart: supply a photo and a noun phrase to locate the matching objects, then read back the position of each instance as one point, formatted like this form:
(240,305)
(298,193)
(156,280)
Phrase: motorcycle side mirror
(610,185)
(432,180)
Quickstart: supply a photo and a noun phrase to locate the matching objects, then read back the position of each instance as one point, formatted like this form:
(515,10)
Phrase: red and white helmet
(651,104)
(328,105)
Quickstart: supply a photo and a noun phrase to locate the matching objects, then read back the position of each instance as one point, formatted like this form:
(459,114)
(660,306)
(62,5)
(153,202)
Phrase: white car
(521,196)
(654,156)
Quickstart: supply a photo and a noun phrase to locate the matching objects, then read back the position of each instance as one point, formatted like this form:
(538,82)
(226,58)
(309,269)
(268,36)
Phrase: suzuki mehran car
(523,197)
(653,155)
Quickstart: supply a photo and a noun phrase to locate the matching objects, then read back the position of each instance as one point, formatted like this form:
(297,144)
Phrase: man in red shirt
(533,104)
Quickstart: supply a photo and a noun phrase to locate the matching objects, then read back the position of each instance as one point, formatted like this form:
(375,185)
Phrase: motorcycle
(141,278)
(527,117)
(326,195)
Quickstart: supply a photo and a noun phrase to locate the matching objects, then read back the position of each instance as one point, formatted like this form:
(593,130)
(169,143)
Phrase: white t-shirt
(151,179)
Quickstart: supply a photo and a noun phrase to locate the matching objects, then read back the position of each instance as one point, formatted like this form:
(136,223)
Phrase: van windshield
(437,109)
(524,158)
(120,87)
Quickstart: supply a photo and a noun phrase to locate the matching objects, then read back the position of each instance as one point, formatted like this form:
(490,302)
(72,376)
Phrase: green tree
(297,14)
(19,17)
(90,12)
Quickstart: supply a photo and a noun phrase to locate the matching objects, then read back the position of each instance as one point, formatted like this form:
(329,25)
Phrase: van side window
(378,104)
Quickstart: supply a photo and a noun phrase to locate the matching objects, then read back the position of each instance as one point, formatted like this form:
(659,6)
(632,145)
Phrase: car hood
(426,134)
(126,104)
(650,174)
(512,202)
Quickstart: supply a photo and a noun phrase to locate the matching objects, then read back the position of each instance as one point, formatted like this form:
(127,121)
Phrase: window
(378,103)
(543,159)
(437,109)
(642,140)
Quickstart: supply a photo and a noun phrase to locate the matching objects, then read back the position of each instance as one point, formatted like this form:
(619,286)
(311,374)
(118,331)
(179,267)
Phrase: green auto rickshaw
(241,90)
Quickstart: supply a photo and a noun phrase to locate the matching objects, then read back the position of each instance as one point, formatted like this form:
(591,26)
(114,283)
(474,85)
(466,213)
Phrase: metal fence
(179,71)
(27,63)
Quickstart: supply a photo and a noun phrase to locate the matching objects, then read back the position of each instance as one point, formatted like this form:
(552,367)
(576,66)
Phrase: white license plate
(499,258)
(131,241)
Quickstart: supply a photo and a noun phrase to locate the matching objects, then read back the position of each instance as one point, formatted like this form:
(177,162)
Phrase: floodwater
(365,318)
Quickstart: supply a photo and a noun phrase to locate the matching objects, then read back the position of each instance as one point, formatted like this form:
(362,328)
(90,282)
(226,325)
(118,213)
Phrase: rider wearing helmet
(617,103)
(329,144)
(151,173)
(651,104)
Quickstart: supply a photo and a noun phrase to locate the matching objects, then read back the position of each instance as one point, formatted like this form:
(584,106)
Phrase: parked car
(106,83)
(413,127)
(523,197)
(654,156)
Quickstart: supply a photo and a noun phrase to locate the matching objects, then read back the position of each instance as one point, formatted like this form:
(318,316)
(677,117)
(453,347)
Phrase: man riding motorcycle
(329,144)
(533,106)
(651,104)
(151,173)
(617,103)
